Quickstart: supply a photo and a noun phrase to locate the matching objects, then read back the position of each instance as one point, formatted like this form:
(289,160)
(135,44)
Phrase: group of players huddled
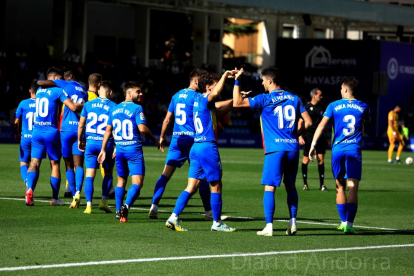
(94,130)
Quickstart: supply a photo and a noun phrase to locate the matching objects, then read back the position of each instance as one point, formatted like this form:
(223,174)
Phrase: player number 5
(181,117)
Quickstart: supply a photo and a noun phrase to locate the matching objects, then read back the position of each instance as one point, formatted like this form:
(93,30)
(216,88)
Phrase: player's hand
(231,73)
(17,137)
(101,157)
(238,73)
(158,145)
(245,94)
(162,142)
(301,140)
(312,153)
(81,145)
(114,154)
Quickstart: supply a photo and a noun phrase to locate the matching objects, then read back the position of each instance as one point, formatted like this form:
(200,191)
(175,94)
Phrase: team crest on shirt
(142,116)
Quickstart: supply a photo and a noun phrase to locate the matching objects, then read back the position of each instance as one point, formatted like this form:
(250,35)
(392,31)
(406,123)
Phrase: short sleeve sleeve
(328,112)
(60,83)
(84,112)
(63,96)
(390,116)
(257,102)
(171,106)
(109,122)
(19,111)
(139,116)
(302,107)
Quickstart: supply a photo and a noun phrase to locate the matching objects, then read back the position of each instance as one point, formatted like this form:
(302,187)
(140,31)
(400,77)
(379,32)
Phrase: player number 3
(350,119)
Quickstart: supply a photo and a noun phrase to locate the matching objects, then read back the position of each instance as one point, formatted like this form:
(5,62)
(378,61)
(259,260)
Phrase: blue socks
(23,172)
(55,184)
(70,177)
(351,210)
(88,188)
(159,189)
(342,211)
(216,204)
(205,195)
(106,185)
(79,179)
(119,197)
(133,193)
(269,205)
(292,202)
(31,179)
(182,201)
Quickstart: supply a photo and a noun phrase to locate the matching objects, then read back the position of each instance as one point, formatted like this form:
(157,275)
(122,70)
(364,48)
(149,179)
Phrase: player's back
(96,113)
(125,118)
(348,117)
(281,111)
(26,113)
(47,103)
(204,119)
(182,107)
(393,116)
(77,93)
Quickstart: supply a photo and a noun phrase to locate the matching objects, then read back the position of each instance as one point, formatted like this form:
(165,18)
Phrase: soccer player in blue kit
(23,127)
(205,160)
(69,134)
(45,136)
(281,121)
(127,120)
(348,115)
(94,116)
(181,111)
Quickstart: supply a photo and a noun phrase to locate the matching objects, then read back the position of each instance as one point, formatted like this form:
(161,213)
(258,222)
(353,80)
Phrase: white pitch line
(238,217)
(204,257)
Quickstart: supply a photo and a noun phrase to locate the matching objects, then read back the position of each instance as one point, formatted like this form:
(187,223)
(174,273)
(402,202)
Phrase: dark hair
(207,79)
(70,71)
(131,84)
(34,86)
(352,83)
(94,79)
(108,86)
(196,73)
(272,73)
(314,92)
(53,70)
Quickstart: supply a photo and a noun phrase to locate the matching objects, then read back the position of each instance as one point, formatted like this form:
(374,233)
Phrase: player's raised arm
(46,83)
(81,130)
(219,86)
(223,107)
(318,132)
(239,98)
(147,133)
(165,126)
(107,135)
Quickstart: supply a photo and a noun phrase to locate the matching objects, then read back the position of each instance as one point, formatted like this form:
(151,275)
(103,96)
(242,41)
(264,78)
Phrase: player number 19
(285,113)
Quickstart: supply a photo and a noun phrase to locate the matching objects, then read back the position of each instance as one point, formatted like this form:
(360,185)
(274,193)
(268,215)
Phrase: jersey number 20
(125,127)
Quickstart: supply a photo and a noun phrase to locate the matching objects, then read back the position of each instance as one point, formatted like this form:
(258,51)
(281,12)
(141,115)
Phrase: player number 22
(350,119)
(93,117)
(285,113)
(181,117)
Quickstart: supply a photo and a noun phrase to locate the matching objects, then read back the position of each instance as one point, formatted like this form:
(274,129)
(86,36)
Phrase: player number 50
(126,129)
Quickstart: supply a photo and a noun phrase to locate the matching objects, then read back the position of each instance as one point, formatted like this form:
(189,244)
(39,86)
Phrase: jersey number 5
(180,116)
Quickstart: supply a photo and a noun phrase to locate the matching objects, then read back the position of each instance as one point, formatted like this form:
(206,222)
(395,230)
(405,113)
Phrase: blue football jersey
(182,106)
(280,113)
(78,94)
(348,116)
(26,112)
(96,113)
(204,119)
(47,105)
(125,118)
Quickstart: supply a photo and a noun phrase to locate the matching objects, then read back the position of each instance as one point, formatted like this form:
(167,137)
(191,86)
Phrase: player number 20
(285,113)
(93,117)
(126,129)
(180,116)
(350,119)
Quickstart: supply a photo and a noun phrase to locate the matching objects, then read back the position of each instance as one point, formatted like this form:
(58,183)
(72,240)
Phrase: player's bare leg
(341,202)
(269,210)
(401,145)
(391,149)
(159,190)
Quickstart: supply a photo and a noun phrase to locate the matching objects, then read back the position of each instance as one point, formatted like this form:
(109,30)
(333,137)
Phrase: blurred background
(158,43)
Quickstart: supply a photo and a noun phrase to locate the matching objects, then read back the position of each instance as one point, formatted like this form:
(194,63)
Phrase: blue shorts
(93,148)
(43,142)
(129,162)
(69,142)
(347,164)
(179,151)
(205,162)
(25,149)
(280,163)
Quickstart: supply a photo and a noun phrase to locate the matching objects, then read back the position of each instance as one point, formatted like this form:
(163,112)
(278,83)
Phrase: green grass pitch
(45,235)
